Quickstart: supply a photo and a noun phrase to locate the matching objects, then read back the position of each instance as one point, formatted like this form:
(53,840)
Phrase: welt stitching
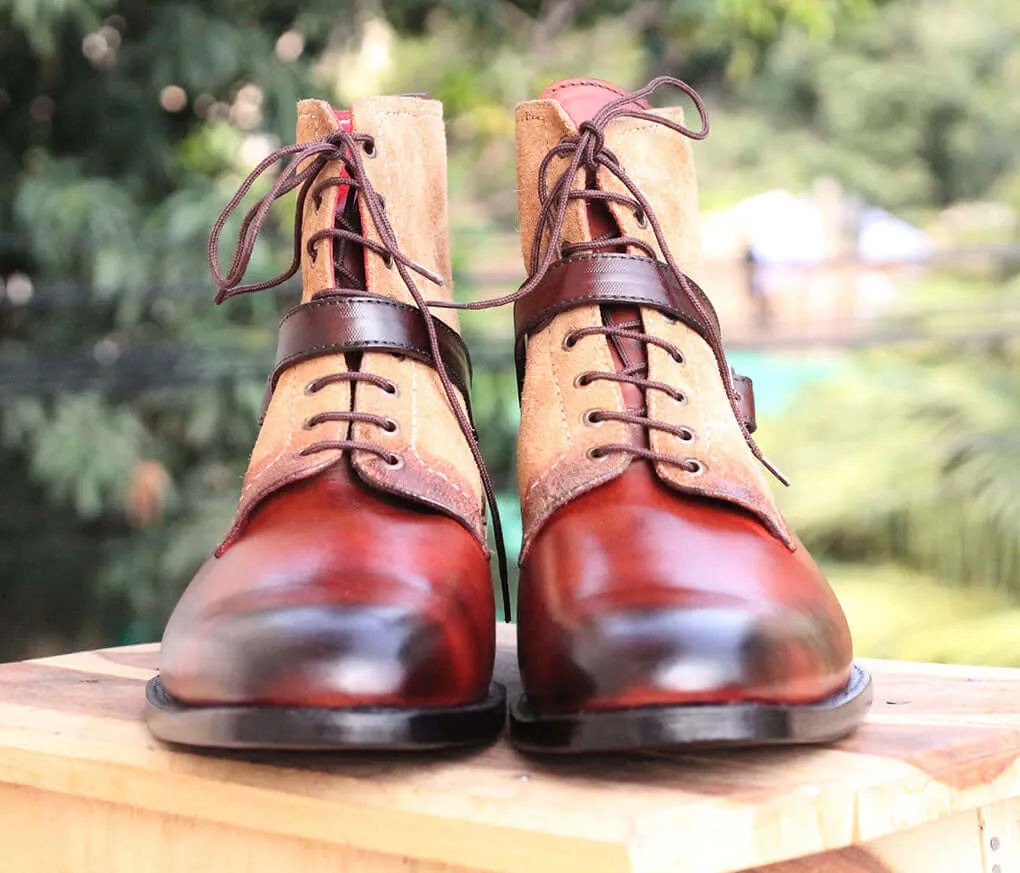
(414,430)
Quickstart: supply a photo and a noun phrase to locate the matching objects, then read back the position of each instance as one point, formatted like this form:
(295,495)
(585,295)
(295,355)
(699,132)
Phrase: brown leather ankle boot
(663,600)
(350,604)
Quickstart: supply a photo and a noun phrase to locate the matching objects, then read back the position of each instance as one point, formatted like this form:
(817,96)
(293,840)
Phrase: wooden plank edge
(470,844)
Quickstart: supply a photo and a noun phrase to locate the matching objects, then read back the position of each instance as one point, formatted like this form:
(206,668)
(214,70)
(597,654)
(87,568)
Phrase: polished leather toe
(633,595)
(336,596)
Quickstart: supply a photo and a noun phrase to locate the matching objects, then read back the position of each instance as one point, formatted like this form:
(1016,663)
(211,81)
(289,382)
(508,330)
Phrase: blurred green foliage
(903,614)
(922,465)
(125,125)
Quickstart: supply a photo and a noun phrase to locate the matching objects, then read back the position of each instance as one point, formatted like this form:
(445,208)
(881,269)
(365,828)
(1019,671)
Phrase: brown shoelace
(634,375)
(587,150)
(347,148)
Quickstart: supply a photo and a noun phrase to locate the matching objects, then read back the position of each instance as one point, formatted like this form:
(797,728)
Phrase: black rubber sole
(319,729)
(693,726)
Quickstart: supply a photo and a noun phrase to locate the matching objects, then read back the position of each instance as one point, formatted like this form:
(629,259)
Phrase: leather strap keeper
(745,401)
(343,323)
(626,280)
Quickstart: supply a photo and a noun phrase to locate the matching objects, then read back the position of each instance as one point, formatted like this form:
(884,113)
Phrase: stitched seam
(611,258)
(432,112)
(701,410)
(367,343)
(563,415)
(461,358)
(594,299)
(447,333)
(550,506)
(460,379)
(333,192)
(616,208)
(414,411)
(607,256)
(650,125)
(389,113)
(441,326)
(593,83)
(414,430)
(291,406)
(349,299)
(550,312)
(394,487)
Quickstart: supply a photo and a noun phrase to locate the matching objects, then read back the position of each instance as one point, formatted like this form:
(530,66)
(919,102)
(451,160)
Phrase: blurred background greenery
(859,196)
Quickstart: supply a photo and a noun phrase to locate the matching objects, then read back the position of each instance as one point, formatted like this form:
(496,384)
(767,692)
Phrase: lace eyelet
(391,426)
(388,261)
(569,341)
(679,397)
(317,202)
(311,388)
(687,436)
(590,418)
(313,250)
(392,389)
(641,218)
(582,381)
(394,462)
(370,150)
(694,466)
(595,453)
(308,423)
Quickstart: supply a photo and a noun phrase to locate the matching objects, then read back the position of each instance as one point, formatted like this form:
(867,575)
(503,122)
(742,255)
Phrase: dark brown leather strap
(595,279)
(612,278)
(745,401)
(361,322)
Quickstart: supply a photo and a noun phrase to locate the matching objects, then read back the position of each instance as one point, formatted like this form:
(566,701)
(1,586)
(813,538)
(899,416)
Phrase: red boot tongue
(582,98)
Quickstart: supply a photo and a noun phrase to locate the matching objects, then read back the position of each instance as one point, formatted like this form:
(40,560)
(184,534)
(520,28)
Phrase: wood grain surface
(84,787)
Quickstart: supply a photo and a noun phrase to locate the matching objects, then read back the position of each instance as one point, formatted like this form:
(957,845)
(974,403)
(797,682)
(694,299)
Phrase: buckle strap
(614,278)
(608,277)
(361,322)
(745,401)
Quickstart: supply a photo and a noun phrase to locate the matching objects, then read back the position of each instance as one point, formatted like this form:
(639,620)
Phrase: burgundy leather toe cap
(634,595)
(336,596)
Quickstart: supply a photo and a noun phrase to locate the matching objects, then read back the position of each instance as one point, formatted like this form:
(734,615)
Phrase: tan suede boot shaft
(407,167)
(553,461)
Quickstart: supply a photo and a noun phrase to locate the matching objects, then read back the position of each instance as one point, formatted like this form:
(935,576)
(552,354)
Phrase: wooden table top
(939,740)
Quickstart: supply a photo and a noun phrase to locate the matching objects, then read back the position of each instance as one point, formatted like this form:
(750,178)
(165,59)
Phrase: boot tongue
(317,119)
(581,99)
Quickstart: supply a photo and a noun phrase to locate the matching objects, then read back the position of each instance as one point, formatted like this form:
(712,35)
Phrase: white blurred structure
(799,265)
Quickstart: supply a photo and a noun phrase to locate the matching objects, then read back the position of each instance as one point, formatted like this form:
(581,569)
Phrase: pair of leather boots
(663,601)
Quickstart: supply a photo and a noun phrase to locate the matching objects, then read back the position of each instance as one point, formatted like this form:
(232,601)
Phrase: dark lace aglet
(504,582)
(501,562)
